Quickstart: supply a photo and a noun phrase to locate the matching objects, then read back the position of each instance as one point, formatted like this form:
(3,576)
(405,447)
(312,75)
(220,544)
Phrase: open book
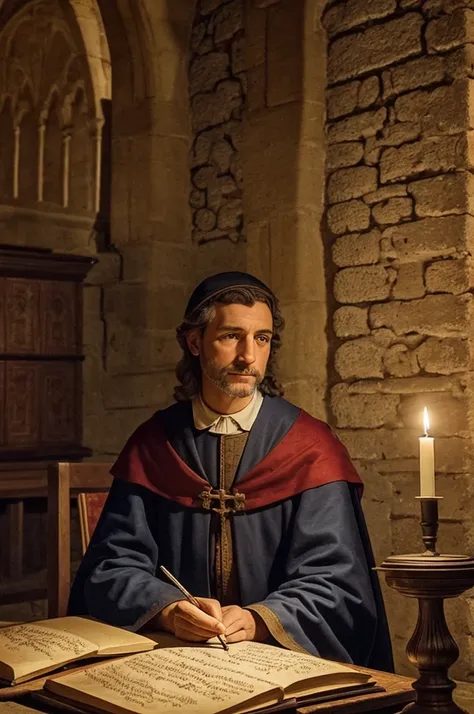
(202,680)
(32,649)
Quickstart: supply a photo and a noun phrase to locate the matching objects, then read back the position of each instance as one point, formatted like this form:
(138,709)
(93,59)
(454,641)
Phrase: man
(247,500)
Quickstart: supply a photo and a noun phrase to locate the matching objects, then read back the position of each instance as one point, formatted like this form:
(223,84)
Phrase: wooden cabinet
(41,354)
(40,385)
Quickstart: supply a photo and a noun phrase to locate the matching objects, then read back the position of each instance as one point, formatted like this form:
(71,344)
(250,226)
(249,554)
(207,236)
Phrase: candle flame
(426,421)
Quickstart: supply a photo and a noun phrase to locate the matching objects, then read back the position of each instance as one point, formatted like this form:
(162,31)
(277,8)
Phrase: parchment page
(31,648)
(192,680)
(106,638)
(285,667)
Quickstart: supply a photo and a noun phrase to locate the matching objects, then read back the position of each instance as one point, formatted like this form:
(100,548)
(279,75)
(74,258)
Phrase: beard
(218,376)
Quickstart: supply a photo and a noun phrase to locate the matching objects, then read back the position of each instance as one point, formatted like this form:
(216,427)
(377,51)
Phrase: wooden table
(398,693)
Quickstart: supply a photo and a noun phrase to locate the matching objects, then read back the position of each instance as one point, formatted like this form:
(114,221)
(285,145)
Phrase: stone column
(399,228)
(283,168)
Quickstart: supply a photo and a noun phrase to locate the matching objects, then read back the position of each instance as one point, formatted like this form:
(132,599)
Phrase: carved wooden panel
(21,412)
(2,403)
(58,391)
(57,303)
(2,317)
(22,313)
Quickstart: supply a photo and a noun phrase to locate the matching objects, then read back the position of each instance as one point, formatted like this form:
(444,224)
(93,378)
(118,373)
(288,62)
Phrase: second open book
(202,680)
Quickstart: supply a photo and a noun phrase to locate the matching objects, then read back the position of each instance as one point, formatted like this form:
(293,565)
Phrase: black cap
(212,286)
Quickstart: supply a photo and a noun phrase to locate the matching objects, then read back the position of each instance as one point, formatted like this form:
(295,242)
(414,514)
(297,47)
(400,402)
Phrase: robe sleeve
(116,581)
(325,602)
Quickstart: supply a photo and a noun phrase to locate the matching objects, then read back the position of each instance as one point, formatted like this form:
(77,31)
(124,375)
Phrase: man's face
(234,349)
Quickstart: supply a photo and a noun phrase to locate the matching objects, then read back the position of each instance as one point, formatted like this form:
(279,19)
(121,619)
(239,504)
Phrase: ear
(193,340)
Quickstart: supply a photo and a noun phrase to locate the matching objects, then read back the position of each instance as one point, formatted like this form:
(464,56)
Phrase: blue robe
(304,562)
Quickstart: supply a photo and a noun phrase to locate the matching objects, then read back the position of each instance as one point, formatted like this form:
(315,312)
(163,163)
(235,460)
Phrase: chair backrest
(66,480)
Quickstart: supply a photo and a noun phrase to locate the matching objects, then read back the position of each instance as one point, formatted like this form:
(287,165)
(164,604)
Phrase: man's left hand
(242,625)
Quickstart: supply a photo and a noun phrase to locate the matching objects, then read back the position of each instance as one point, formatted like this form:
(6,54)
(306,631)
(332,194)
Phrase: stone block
(296,265)
(409,385)
(228,20)
(237,54)
(448,276)
(455,505)
(449,31)
(135,350)
(230,215)
(420,72)
(357,127)
(356,249)
(352,182)
(369,92)
(142,306)
(205,220)
(221,155)
(443,356)
(348,216)
(350,14)
(348,153)
(255,36)
(375,444)
(284,53)
(392,135)
(197,199)
(367,284)
(434,315)
(208,6)
(342,100)
(448,414)
(351,321)
(256,87)
(442,110)
(140,390)
(143,261)
(106,271)
(363,411)
(443,195)
(304,349)
(272,150)
(409,283)
(376,47)
(206,71)
(435,155)
(360,359)
(394,210)
(308,394)
(429,237)
(399,361)
(217,256)
(211,110)
(385,193)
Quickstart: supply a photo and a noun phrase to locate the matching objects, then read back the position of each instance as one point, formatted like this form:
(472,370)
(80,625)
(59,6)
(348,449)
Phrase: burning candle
(427,470)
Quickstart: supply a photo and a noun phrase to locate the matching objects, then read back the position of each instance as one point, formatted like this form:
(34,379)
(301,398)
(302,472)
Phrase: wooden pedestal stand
(431,577)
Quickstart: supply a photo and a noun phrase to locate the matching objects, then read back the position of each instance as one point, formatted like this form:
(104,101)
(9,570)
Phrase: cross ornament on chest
(225,503)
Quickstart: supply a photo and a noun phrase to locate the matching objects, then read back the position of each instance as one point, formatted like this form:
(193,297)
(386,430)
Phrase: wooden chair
(90,483)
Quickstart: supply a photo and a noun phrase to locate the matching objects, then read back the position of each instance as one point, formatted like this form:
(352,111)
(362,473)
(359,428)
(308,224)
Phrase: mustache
(245,371)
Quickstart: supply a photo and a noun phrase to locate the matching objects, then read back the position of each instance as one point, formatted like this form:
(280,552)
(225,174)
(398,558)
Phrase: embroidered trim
(276,629)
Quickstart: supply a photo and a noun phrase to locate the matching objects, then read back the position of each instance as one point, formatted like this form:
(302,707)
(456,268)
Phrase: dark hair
(188,370)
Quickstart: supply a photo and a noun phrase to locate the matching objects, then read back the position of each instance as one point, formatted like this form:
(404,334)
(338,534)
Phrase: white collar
(243,420)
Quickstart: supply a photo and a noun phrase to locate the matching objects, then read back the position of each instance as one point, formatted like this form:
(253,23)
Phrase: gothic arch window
(81,157)
(28,148)
(53,164)
(7,151)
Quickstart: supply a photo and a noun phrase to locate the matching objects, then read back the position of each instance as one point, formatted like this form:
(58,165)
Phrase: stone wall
(217,89)
(399,239)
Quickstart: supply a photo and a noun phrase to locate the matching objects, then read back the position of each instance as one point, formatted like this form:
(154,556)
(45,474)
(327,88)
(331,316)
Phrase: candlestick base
(432,649)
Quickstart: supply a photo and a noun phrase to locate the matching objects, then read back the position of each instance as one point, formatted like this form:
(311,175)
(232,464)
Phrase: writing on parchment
(51,644)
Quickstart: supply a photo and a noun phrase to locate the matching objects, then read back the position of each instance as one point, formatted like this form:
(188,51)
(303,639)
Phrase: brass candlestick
(431,577)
